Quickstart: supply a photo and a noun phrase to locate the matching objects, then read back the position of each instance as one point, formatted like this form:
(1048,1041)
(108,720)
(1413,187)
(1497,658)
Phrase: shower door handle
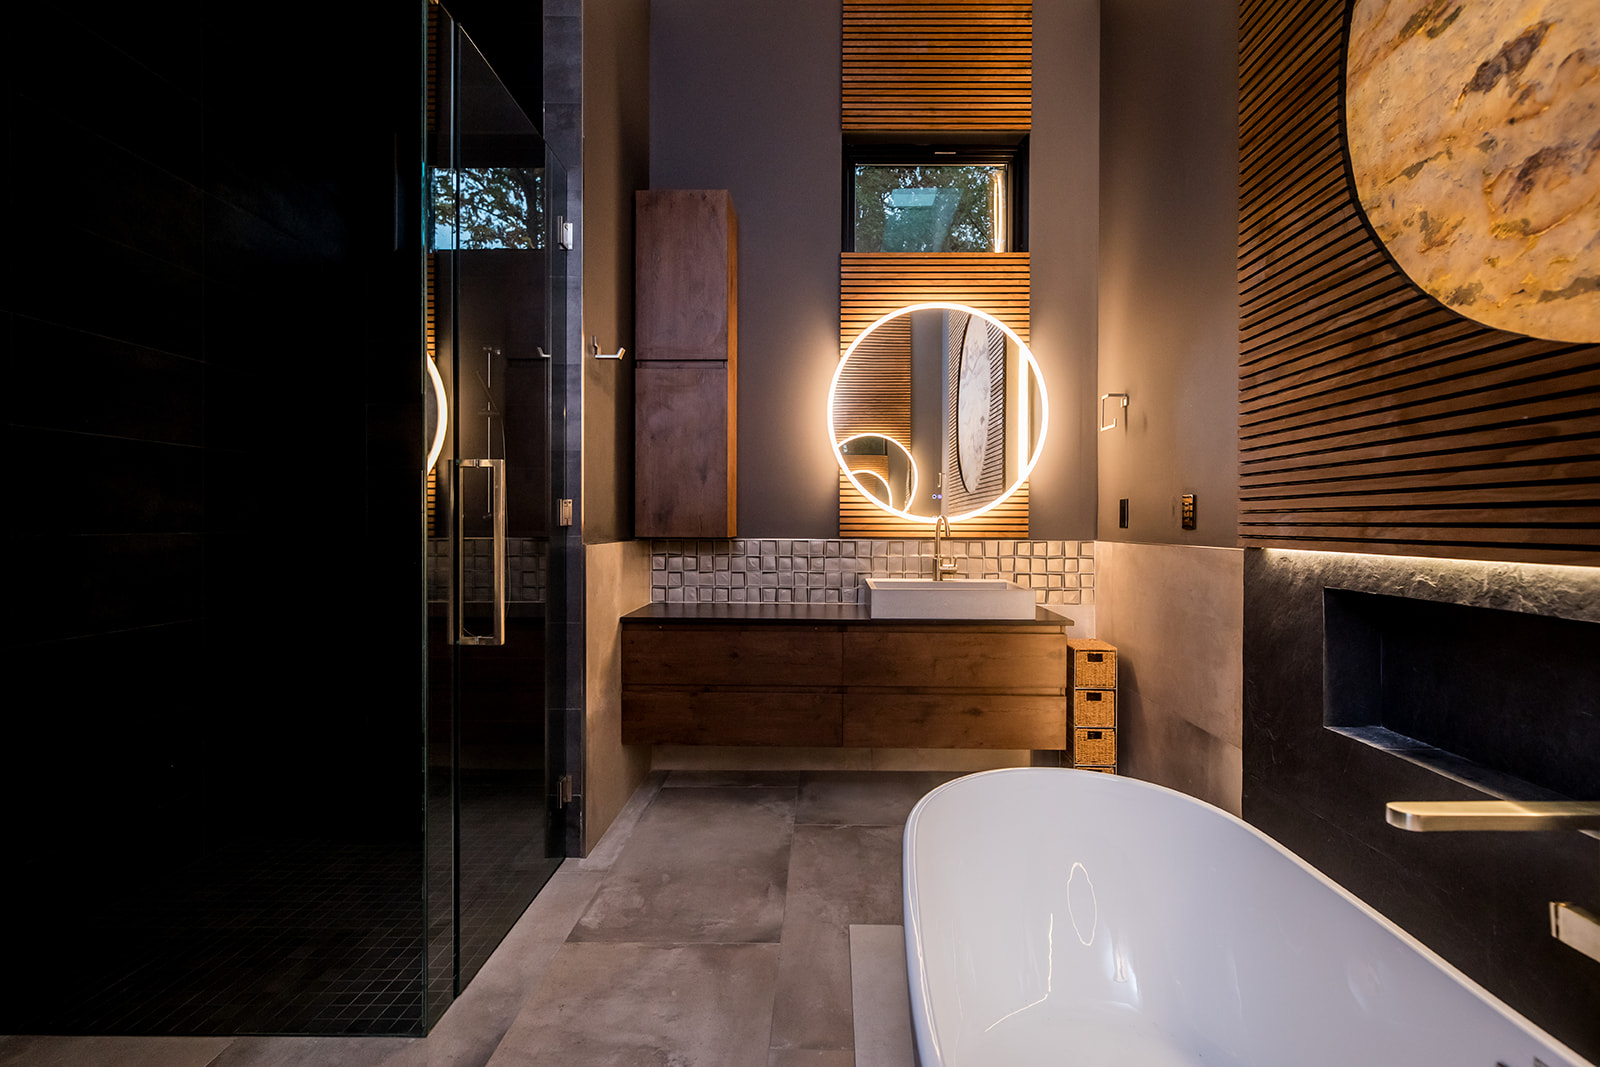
(497,519)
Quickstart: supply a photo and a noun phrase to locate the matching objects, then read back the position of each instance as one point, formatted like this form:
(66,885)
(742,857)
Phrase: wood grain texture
(686,274)
(711,716)
(859,517)
(954,720)
(968,684)
(872,284)
(945,65)
(1372,418)
(737,656)
(685,449)
(1013,662)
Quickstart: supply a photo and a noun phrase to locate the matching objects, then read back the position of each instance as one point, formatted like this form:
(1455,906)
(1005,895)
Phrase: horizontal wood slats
(936,65)
(859,517)
(872,284)
(1371,418)
(875,396)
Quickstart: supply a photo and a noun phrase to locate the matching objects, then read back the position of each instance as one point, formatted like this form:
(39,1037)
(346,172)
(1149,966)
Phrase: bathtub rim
(925,1033)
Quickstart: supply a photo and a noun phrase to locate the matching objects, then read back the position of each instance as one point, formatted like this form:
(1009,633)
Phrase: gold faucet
(941,566)
(1569,923)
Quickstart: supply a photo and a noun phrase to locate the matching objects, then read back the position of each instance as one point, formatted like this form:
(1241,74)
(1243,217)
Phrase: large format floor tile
(868,798)
(881,997)
(632,1005)
(838,876)
(126,1051)
(703,865)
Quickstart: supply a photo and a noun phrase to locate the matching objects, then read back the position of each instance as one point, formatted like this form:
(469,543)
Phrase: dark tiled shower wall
(527,568)
(211,326)
(1478,899)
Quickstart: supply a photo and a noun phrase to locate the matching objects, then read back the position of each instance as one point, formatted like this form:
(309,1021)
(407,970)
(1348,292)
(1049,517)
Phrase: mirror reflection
(937,409)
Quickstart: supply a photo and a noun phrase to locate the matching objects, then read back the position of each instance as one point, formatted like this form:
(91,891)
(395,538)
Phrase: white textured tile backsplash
(779,571)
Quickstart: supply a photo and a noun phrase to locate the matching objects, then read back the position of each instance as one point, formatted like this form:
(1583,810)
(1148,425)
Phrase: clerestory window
(935,198)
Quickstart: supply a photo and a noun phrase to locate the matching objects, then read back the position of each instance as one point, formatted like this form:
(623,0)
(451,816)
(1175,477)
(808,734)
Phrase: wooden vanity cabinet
(854,682)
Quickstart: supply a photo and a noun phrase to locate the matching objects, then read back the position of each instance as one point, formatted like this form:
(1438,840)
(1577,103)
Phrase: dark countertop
(801,614)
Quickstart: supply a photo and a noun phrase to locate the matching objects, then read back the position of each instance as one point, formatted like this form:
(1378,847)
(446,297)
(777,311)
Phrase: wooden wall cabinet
(686,364)
(852,683)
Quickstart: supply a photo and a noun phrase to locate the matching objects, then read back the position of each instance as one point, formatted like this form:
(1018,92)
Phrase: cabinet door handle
(497,513)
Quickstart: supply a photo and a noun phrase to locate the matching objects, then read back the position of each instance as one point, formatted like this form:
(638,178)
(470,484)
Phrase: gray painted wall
(1063,205)
(1168,291)
(746,98)
(616,162)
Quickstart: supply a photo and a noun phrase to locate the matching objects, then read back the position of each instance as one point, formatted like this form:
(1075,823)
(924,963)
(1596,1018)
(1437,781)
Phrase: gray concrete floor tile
(648,1006)
(315,1051)
(810,1057)
(703,865)
(811,1007)
(838,876)
(605,852)
(24,1051)
(880,997)
(733,779)
(873,798)
(845,874)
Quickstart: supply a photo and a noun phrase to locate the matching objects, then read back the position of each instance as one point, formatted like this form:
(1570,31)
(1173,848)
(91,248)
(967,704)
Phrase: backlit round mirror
(937,408)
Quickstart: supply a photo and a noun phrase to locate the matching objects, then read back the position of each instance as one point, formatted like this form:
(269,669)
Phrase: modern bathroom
(1335,516)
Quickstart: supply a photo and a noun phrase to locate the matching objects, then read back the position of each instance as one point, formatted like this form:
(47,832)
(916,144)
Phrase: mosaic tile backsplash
(751,571)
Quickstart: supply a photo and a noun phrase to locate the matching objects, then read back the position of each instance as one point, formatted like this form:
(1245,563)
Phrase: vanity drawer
(951,658)
(700,716)
(764,656)
(948,720)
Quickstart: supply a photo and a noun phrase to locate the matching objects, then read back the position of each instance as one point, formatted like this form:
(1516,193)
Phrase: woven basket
(1094,748)
(1094,707)
(1094,664)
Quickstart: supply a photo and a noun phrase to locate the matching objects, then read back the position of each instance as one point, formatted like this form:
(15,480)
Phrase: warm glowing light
(444,416)
(1029,365)
(911,494)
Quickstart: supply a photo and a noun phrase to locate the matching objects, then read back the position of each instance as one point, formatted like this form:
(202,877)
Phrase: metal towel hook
(1104,425)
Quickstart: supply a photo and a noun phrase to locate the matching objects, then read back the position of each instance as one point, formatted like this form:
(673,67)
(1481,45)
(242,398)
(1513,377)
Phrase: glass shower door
(489,764)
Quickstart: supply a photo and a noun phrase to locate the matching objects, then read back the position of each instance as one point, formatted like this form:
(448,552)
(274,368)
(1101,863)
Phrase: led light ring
(1028,362)
(911,494)
(444,415)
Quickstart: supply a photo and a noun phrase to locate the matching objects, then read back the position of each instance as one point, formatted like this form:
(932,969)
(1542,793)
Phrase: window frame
(1012,156)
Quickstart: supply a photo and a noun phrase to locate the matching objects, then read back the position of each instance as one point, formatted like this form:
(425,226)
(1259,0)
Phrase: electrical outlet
(1188,511)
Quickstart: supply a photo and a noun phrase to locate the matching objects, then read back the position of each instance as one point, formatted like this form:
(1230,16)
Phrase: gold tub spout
(1433,815)
(1569,923)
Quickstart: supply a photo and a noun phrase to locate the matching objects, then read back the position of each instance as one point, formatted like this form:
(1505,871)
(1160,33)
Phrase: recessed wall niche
(1505,701)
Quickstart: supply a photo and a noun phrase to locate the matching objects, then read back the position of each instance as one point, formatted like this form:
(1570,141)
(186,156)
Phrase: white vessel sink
(953,598)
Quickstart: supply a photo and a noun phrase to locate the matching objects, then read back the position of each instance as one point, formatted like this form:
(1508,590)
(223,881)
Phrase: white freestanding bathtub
(1063,917)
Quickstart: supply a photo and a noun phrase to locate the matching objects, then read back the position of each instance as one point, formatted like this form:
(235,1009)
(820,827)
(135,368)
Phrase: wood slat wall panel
(951,65)
(1372,419)
(859,517)
(872,284)
(875,397)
